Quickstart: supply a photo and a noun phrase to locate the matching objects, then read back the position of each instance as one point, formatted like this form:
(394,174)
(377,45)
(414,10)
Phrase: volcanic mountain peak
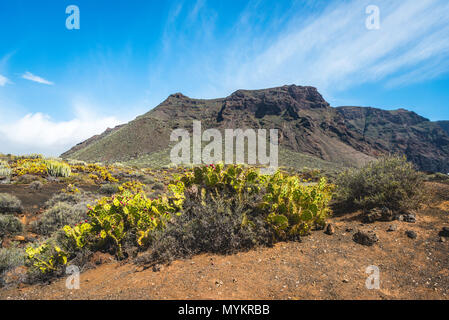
(308,127)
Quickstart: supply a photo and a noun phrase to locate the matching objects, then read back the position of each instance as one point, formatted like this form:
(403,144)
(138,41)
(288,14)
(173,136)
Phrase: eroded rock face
(400,131)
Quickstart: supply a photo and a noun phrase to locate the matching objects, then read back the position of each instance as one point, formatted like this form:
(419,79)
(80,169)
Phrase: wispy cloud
(333,50)
(29,76)
(3,81)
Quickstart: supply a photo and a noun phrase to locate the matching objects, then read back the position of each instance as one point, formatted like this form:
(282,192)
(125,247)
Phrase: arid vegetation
(151,217)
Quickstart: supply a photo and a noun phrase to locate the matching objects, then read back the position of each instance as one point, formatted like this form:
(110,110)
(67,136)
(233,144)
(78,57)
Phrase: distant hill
(312,133)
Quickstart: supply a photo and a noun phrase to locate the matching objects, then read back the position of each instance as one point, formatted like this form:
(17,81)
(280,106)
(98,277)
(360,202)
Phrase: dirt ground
(320,267)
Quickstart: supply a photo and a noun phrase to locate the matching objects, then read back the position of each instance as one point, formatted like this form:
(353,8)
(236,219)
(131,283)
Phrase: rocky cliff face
(349,136)
(401,132)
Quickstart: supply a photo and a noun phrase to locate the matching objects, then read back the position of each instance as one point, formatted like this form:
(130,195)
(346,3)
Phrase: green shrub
(58,216)
(5,170)
(36,185)
(391,182)
(31,156)
(10,225)
(10,258)
(438,177)
(108,189)
(69,198)
(207,209)
(58,169)
(46,258)
(148,180)
(26,179)
(10,204)
(294,207)
(218,226)
(158,187)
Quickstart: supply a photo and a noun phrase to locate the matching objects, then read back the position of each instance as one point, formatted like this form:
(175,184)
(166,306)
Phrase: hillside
(444,125)
(311,131)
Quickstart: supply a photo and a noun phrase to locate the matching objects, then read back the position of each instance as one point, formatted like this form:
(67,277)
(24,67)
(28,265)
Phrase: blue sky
(59,86)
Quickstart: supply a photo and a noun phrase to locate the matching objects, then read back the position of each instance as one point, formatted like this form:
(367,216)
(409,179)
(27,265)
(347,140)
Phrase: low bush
(26,179)
(28,166)
(391,182)
(108,189)
(36,185)
(293,207)
(58,216)
(218,226)
(148,180)
(10,225)
(45,259)
(69,198)
(48,259)
(96,172)
(10,204)
(57,168)
(10,258)
(5,170)
(438,177)
(158,186)
(207,209)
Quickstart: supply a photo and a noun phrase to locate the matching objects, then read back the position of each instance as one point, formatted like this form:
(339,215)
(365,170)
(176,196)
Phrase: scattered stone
(442,239)
(392,228)
(349,229)
(411,234)
(157,268)
(218,283)
(409,217)
(330,229)
(366,238)
(19,238)
(345,280)
(444,232)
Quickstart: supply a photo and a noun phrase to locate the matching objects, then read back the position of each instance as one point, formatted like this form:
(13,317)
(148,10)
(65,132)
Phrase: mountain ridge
(349,136)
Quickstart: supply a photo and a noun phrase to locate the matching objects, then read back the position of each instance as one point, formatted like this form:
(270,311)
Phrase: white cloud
(333,50)
(3,81)
(37,132)
(32,77)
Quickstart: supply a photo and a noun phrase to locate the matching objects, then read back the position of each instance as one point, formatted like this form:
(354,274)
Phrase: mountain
(444,125)
(311,132)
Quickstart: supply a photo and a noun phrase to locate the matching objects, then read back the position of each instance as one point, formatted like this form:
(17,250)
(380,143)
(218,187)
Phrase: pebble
(392,228)
(218,283)
(411,234)
(330,229)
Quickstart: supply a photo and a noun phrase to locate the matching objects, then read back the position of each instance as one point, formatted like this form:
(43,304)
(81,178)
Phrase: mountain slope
(307,124)
(444,125)
(401,132)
